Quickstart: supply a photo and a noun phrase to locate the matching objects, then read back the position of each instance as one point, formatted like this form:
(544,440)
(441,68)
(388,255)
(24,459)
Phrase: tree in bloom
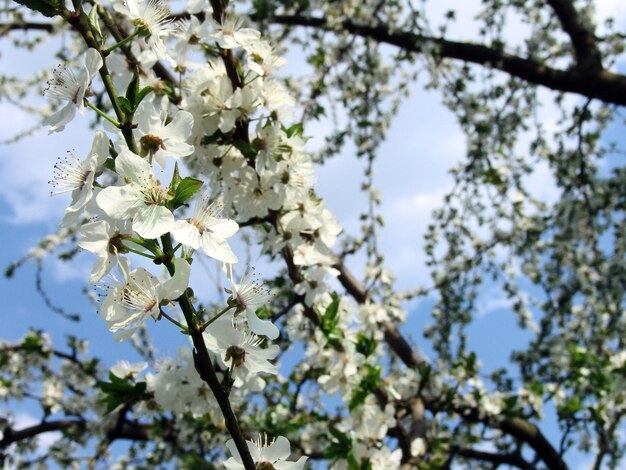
(206,144)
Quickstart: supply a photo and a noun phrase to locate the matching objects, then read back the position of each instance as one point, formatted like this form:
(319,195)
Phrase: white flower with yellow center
(266,455)
(151,17)
(160,138)
(248,295)
(78,176)
(128,304)
(241,351)
(71,86)
(230,33)
(105,239)
(143,198)
(208,230)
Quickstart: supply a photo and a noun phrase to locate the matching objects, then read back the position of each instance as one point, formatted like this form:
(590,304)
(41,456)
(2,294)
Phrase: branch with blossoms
(134,212)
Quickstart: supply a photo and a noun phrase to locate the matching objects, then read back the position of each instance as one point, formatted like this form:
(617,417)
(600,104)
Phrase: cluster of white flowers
(121,204)
(258,175)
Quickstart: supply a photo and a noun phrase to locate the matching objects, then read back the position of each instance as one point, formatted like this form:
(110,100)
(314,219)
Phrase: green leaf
(245,148)
(176,179)
(185,190)
(331,315)
(142,94)
(491,176)
(132,91)
(368,385)
(109,164)
(365,344)
(263,312)
(32,343)
(329,321)
(95,26)
(47,8)
(295,129)
(340,447)
(123,102)
(120,392)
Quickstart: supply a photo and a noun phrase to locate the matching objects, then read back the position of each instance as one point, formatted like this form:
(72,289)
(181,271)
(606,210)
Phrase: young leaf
(95,26)
(125,105)
(120,391)
(47,8)
(141,94)
(296,129)
(132,91)
(176,179)
(109,164)
(185,190)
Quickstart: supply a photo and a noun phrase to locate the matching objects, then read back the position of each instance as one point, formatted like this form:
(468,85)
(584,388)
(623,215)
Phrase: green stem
(140,253)
(175,322)
(121,43)
(206,324)
(148,245)
(102,114)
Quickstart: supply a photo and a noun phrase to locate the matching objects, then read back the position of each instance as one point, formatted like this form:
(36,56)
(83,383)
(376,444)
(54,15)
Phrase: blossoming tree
(196,140)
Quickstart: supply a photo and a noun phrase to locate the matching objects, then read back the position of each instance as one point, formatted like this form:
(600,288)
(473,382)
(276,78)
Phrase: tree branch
(588,56)
(11,435)
(513,459)
(603,85)
(25,26)
(517,427)
(125,429)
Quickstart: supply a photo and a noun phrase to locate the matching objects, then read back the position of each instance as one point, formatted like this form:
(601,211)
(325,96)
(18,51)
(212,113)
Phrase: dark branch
(124,429)
(513,459)
(25,26)
(602,84)
(11,435)
(523,430)
(587,54)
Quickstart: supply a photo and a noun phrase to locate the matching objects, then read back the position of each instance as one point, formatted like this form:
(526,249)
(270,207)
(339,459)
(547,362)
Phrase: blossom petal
(133,168)
(119,202)
(285,465)
(95,236)
(224,228)
(93,61)
(99,148)
(261,327)
(60,118)
(217,248)
(152,221)
(174,287)
(278,450)
(101,267)
(186,233)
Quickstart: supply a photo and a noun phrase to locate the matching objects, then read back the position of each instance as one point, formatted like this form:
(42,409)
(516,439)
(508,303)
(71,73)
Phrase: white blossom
(128,304)
(208,230)
(159,138)
(240,350)
(71,86)
(143,198)
(266,455)
(78,176)
(249,295)
(104,238)
(152,18)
